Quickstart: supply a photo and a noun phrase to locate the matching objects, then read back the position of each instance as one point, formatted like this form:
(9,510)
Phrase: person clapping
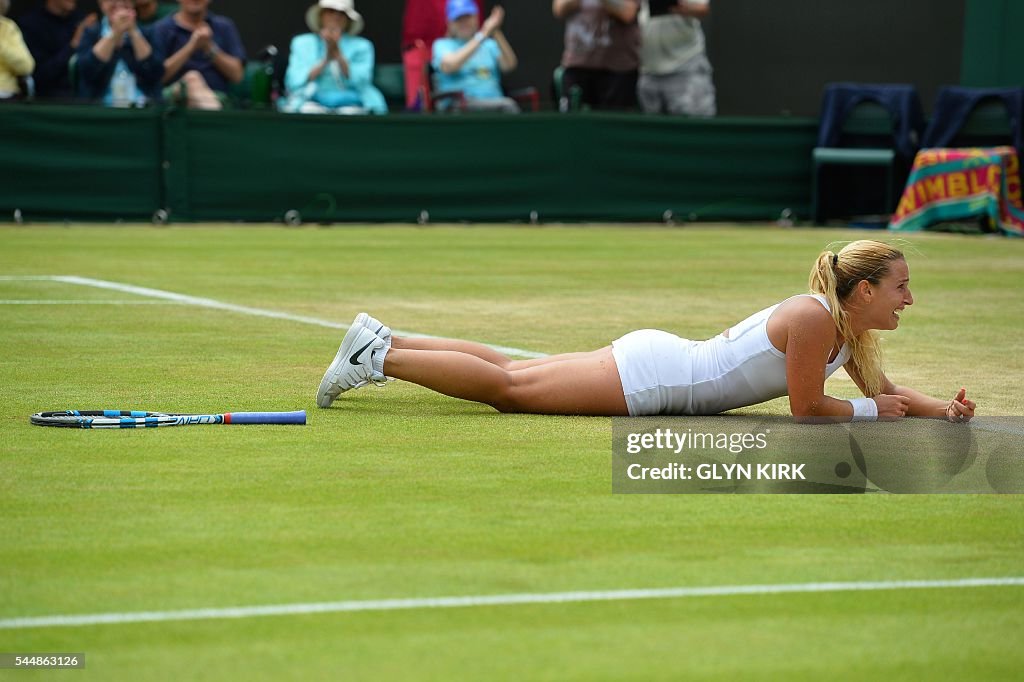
(203,55)
(472,57)
(117,62)
(330,69)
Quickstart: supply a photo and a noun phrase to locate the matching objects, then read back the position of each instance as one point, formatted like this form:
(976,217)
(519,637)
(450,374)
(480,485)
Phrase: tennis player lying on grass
(788,348)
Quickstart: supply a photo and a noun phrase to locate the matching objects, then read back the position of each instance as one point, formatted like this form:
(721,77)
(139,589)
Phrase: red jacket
(425,20)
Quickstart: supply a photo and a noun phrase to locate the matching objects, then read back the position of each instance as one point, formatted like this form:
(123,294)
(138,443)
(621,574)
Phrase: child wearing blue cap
(472,57)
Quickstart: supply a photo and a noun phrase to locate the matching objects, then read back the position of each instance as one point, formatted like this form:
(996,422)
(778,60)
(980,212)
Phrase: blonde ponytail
(835,276)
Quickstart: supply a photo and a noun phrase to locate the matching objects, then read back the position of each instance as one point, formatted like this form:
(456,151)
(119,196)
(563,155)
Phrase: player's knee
(509,397)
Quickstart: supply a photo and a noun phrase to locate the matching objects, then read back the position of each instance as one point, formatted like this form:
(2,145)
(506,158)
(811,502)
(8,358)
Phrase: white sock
(377,359)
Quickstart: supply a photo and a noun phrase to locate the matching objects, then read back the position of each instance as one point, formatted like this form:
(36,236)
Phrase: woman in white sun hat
(330,69)
(789,348)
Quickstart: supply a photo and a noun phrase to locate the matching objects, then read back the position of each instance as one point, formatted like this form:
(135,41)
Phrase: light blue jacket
(479,77)
(331,88)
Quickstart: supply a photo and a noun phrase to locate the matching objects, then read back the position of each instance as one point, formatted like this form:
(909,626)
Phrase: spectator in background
(426,20)
(470,59)
(675,74)
(602,52)
(330,70)
(203,55)
(148,12)
(53,31)
(117,63)
(15,59)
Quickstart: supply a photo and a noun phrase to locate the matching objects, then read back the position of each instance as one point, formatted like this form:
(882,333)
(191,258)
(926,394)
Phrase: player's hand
(494,21)
(891,407)
(960,409)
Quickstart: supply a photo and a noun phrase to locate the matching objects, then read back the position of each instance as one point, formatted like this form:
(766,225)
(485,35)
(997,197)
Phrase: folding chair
(977,117)
(864,127)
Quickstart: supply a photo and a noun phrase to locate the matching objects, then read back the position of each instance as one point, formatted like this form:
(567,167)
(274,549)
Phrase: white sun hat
(347,7)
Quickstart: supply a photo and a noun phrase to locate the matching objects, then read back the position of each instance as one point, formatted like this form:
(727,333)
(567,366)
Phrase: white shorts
(655,370)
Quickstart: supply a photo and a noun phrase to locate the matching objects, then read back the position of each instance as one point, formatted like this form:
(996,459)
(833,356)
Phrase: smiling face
(881,304)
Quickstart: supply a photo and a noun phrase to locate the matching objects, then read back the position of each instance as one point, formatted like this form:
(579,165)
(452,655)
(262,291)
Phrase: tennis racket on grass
(134,419)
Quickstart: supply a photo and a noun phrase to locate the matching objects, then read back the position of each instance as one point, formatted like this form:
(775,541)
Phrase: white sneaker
(375,326)
(352,366)
(382,331)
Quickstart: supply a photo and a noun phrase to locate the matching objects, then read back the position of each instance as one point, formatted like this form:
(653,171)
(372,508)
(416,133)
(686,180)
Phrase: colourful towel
(956,184)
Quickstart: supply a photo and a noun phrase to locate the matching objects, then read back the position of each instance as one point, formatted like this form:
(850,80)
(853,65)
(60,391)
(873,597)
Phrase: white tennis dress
(664,374)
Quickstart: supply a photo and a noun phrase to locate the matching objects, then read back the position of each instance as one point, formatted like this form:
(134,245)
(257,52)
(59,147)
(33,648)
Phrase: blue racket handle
(298,417)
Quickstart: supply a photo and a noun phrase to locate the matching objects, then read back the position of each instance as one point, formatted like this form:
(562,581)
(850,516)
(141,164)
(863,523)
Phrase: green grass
(399,492)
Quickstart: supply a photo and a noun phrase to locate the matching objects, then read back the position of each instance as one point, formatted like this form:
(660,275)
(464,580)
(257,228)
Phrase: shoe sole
(334,370)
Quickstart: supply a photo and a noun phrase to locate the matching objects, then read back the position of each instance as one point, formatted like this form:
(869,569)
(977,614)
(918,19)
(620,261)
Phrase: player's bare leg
(480,350)
(586,384)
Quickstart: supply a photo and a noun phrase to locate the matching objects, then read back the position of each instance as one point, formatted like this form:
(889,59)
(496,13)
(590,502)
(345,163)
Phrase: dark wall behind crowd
(769,57)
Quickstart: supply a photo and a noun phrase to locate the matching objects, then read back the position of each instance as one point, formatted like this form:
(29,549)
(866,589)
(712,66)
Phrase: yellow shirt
(15,59)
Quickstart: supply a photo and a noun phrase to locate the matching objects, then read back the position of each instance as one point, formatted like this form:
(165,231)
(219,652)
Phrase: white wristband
(480,36)
(864,409)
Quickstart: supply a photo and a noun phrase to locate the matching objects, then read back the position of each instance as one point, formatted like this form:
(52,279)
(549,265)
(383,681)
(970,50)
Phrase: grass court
(398,492)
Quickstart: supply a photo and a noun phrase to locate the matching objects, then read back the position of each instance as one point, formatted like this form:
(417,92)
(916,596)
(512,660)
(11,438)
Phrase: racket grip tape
(298,417)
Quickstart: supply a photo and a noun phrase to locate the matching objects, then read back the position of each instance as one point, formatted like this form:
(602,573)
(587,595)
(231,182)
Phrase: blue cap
(460,8)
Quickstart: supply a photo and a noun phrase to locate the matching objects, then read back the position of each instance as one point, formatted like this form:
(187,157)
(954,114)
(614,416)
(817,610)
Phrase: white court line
(230,307)
(95,301)
(492,600)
